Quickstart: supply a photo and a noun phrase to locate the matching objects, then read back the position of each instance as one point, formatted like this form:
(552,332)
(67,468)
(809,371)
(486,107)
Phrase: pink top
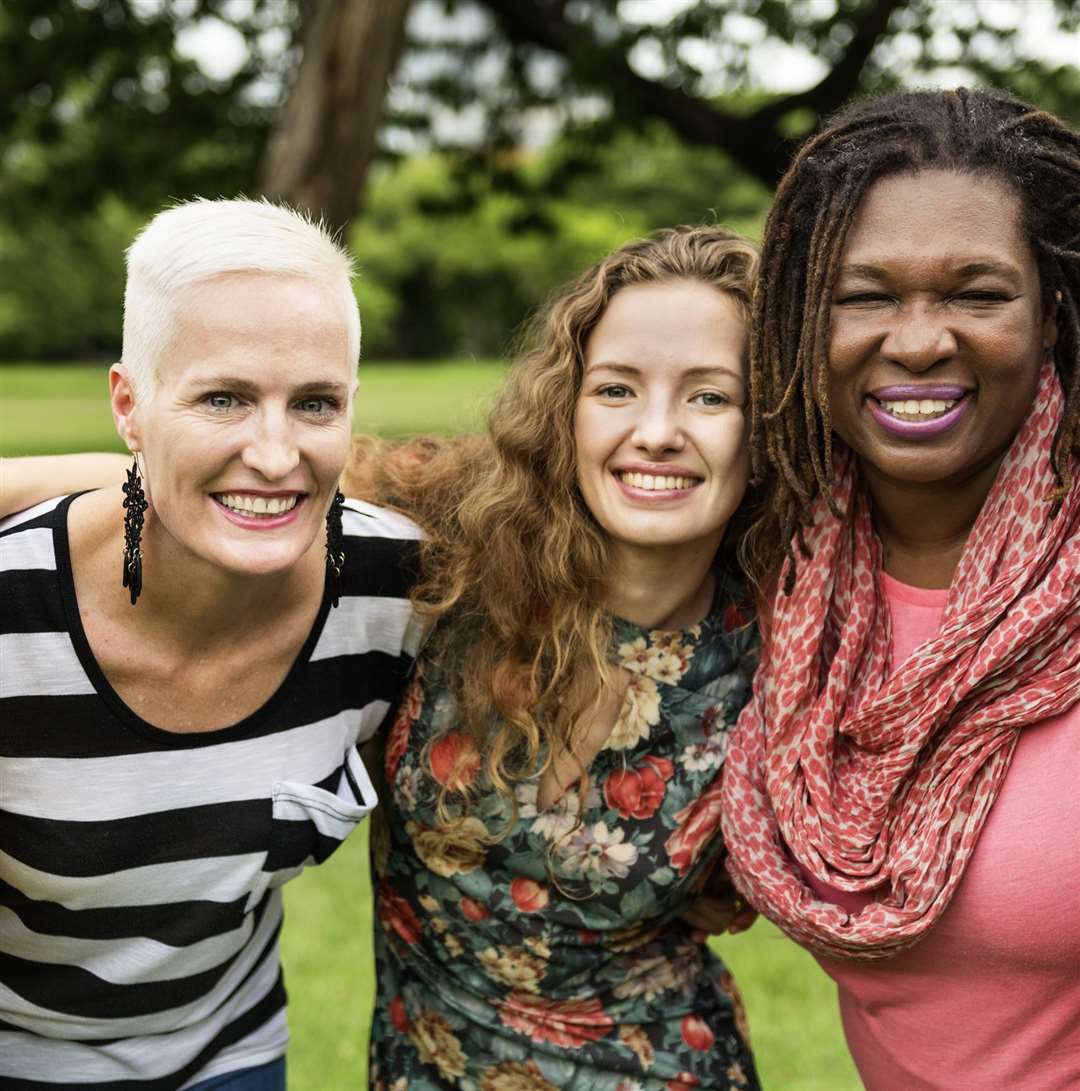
(990,998)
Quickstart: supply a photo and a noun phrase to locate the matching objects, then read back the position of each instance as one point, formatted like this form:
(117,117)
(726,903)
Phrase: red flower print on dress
(454,760)
(473,911)
(734,618)
(696,1033)
(529,895)
(638,793)
(569,1023)
(396,914)
(698,823)
(397,740)
(683,1082)
(399,1017)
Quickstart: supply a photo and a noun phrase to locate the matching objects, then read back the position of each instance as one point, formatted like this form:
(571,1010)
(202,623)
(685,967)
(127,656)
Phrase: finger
(709,914)
(695,920)
(719,883)
(742,920)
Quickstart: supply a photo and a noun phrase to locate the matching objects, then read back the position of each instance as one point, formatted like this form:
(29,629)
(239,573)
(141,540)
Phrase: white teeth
(926,407)
(656,482)
(257,505)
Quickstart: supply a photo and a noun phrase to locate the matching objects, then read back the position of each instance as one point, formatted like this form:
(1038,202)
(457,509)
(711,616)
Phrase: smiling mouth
(257,506)
(657,482)
(922,409)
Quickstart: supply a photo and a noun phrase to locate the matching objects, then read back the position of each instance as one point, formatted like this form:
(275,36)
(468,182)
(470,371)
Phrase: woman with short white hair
(181,702)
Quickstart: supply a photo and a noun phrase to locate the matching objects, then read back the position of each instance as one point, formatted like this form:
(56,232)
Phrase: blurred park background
(474,155)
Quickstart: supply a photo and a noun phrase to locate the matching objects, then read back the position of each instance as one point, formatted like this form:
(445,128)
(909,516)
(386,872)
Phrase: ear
(124,406)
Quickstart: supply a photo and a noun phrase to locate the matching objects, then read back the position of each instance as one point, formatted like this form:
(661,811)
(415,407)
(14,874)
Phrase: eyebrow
(690,372)
(969,269)
(247,388)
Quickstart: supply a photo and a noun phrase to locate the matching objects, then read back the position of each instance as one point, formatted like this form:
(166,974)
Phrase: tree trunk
(320,149)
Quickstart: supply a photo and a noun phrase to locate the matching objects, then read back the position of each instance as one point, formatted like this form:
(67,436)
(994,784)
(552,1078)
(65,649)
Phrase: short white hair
(198,240)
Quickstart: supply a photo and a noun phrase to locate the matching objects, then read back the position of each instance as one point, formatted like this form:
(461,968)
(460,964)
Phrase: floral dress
(554,957)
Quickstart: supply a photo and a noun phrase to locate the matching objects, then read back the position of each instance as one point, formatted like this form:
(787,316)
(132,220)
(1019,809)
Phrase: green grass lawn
(327,937)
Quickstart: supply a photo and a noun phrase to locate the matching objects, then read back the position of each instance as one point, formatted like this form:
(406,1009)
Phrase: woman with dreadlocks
(902,795)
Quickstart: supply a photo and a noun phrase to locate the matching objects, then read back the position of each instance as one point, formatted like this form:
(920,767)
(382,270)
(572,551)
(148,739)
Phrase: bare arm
(27,481)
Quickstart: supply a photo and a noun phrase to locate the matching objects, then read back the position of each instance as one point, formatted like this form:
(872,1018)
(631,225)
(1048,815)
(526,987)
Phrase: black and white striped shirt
(140,869)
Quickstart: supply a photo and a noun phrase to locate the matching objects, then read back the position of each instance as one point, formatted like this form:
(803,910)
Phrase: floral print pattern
(554,956)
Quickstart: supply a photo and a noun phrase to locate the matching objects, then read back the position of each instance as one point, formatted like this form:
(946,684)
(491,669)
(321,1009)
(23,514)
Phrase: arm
(27,481)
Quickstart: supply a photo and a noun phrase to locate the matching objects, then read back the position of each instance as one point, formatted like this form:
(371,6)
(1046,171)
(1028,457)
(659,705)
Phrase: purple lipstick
(917,392)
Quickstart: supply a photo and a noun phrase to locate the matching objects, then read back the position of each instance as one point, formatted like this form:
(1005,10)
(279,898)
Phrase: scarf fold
(879,781)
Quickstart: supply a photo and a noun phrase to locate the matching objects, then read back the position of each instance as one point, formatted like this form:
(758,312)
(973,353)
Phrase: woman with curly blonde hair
(552,774)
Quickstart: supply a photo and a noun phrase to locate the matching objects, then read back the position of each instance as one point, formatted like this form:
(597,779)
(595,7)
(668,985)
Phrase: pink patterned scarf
(879,781)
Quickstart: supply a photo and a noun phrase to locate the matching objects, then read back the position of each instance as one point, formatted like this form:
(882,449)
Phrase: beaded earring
(134,506)
(335,548)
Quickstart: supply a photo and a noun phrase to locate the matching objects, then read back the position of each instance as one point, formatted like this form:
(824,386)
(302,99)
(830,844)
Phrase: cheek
(588,441)
(847,349)
(330,450)
(843,401)
(730,450)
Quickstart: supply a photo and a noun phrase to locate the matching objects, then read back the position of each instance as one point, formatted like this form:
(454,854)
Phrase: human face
(246,431)
(938,303)
(660,426)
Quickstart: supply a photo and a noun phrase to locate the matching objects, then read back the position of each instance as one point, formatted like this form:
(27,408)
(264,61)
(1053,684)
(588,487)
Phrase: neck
(924,527)
(663,588)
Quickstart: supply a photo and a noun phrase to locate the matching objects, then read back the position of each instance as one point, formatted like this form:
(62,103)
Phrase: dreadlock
(970,132)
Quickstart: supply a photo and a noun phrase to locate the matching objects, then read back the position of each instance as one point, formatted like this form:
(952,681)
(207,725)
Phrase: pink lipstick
(917,391)
(908,428)
(251,521)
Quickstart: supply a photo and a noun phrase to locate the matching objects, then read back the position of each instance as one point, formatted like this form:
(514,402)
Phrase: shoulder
(729,642)
(28,538)
(375,613)
(363,520)
(47,514)
(381,551)
(33,554)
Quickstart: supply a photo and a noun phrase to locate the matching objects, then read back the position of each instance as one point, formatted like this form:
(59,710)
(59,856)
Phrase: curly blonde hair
(515,566)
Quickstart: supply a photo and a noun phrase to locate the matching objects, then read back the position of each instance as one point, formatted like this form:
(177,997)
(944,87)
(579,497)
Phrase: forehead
(679,322)
(938,217)
(253,320)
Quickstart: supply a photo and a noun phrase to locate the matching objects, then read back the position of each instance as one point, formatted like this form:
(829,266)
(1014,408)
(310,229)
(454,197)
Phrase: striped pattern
(140,870)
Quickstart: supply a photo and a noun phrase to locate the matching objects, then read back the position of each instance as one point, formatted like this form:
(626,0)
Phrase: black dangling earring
(134,506)
(335,548)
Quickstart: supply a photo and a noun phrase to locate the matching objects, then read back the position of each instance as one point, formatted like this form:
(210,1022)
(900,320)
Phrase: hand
(719,907)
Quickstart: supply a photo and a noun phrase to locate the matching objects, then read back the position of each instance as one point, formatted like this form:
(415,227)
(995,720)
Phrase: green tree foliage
(95,99)
(452,259)
(104,117)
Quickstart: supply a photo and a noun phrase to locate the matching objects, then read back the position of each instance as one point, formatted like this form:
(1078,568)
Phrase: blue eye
(219,400)
(711,398)
(616,391)
(317,406)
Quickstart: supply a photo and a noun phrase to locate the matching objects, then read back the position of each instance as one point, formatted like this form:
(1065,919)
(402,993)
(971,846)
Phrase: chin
(265,560)
(918,468)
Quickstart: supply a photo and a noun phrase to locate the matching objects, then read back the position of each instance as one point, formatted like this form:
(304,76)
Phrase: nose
(657,427)
(919,337)
(271,449)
